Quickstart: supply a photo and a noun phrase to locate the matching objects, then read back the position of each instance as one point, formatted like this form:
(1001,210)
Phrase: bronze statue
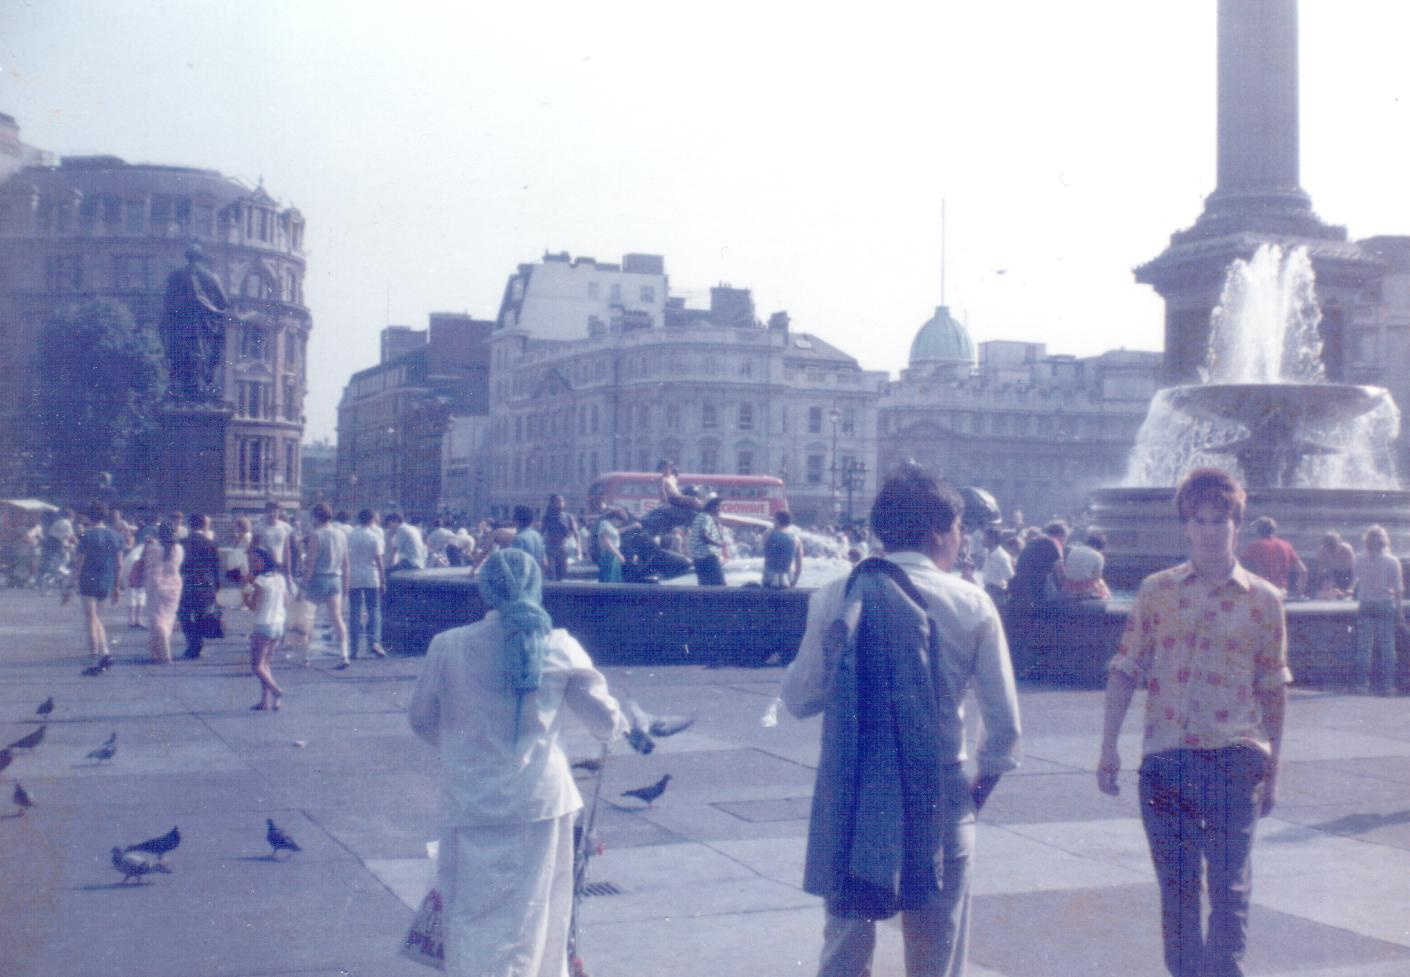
(193,330)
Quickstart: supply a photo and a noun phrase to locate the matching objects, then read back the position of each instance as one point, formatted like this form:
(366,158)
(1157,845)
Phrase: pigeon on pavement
(278,839)
(588,765)
(649,794)
(45,707)
(158,846)
(22,799)
(6,757)
(105,752)
(135,864)
(31,741)
(92,670)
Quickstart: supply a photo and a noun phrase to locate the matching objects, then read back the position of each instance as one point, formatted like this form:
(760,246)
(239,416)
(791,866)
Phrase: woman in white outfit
(490,697)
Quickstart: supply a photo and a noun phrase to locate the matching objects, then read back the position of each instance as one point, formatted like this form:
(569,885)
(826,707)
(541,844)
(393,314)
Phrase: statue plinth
(191,458)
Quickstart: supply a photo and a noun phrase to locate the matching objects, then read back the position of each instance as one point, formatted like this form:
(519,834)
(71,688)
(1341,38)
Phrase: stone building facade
(394,417)
(97,227)
(647,378)
(1038,430)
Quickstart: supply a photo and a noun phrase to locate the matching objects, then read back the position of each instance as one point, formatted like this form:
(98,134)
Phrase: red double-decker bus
(756,496)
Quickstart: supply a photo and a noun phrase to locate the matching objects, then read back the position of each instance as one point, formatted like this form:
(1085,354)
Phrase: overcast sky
(797,149)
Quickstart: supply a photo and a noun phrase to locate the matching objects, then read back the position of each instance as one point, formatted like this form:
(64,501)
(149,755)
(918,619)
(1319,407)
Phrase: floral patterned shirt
(1204,653)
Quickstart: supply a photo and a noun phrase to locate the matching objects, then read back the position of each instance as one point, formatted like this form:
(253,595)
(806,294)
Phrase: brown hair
(1214,487)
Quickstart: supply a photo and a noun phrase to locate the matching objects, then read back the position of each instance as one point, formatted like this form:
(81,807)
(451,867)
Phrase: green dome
(942,341)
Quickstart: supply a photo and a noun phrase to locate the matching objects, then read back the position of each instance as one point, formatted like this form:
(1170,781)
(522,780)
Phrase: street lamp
(854,476)
(834,415)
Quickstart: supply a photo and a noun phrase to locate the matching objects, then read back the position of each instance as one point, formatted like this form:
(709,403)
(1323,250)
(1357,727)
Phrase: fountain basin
(1144,533)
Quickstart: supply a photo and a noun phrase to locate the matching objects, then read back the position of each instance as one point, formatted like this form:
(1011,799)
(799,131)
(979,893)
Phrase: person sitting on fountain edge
(1274,559)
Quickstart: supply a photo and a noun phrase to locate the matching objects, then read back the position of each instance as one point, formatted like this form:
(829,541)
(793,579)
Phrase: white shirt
(273,538)
(270,591)
(437,539)
(1378,577)
(977,655)
(459,706)
(998,568)
(364,546)
(407,545)
(1083,563)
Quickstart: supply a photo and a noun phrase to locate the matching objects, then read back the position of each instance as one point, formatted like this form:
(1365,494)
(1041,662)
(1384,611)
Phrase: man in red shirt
(1272,558)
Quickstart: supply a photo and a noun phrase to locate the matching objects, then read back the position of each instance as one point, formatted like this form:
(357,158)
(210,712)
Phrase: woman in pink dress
(161,574)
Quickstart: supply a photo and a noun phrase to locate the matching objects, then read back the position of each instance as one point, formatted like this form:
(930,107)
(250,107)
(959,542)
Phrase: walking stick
(582,852)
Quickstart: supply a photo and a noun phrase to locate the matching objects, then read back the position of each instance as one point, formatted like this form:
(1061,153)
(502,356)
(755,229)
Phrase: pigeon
(45,707)
(657,726)
(135,864)
(22,799)
(278,839)
(640,740)
(105,752)
(6,757)
(92,670)
(31,741)
(158,846)
(649,794)
(589,765)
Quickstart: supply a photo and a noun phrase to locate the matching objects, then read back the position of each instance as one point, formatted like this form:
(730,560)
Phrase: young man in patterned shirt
(1207,640)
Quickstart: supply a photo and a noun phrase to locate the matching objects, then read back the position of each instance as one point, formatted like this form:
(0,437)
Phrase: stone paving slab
(709,878)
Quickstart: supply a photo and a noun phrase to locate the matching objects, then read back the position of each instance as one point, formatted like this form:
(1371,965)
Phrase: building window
(161,213)
(592,290)
(135,216)
(291,462)
(709,458)
(257,286)
(616,295)
(203,220)
(643,460)
(291,401)
(814,420)
(673,416)
(254,343)
(291,287)
(648,293)
(849,421)
(643,420)
(131,273)
(815,470)
(708,417)
(518,427)
(746,462)
(593,427)
(746,417)
(63,273)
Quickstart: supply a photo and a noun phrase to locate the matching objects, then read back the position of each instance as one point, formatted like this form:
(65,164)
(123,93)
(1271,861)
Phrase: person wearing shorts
(326,577)
(99,558)
(268,592)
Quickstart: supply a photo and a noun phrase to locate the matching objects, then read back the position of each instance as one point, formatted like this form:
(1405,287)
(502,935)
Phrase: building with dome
(94,227)
(1039,430)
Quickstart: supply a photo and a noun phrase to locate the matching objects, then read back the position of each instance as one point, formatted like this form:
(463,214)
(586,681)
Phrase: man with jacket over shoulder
(888,656)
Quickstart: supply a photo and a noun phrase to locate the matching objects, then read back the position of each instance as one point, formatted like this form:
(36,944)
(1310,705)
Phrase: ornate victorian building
(636,377)
(1037,430)
(97,227)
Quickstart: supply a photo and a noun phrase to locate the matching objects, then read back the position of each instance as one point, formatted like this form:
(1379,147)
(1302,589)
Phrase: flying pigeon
(278,839)
(135,864)
(158,846)
(31,741)
(640,740)
(45,707)
(657,726)
(105,752)
(649,794)
(588,765)
(22,799)
(5,758)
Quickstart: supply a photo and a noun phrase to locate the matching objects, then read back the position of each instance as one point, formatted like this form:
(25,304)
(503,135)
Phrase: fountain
(1314,455)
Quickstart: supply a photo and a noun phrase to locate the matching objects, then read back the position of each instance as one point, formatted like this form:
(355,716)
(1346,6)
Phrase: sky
(805,151)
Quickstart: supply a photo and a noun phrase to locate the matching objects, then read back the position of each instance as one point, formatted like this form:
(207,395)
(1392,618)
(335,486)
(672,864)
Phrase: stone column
(1258,106)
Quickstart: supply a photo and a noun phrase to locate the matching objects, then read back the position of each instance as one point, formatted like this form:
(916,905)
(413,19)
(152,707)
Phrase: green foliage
(102,379)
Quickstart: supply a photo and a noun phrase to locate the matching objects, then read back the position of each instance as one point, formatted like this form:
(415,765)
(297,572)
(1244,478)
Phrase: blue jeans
(1375,626)
(1200,808)
(936,937)
(371,598)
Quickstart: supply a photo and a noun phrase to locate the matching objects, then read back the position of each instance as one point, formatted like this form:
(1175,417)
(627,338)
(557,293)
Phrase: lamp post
(834,415)
(854,475)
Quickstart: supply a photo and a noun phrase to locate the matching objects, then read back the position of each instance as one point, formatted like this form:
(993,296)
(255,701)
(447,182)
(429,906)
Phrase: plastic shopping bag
(425,940)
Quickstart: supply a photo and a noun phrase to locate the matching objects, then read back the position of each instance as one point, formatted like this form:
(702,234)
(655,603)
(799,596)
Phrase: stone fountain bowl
(1298,405)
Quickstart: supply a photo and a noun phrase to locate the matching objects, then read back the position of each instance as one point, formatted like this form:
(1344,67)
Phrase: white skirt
(508,892)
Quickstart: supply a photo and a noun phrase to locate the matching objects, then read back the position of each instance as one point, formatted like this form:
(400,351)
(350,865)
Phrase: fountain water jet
(1314,455)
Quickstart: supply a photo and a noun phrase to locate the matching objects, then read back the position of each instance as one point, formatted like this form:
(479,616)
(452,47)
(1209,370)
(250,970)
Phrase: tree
(102,377)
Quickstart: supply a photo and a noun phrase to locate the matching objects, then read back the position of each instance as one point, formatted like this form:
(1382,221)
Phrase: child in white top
(268,591)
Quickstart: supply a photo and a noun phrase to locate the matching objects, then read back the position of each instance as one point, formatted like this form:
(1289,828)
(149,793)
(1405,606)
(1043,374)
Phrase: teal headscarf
(511,583)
